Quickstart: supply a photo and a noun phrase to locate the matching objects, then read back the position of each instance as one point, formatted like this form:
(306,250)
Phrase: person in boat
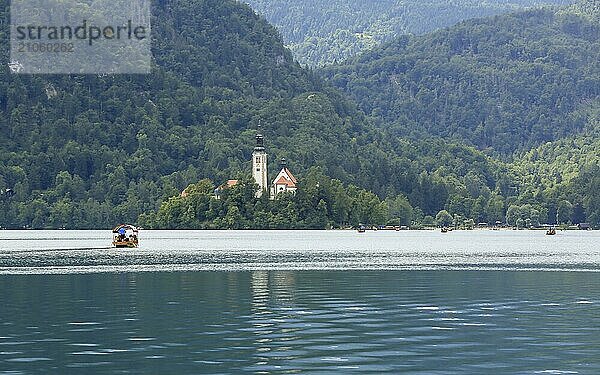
(122,233)
(125,236)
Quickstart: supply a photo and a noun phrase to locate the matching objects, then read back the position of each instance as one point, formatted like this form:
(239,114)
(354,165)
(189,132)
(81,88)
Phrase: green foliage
(322,32)
(564,212)
(524,216)
(89,152)
(320,203)
(428,221)
(400,210)
(586,8)
(111,148)
(525,81)
(501,84)
(563,176)
(444,219)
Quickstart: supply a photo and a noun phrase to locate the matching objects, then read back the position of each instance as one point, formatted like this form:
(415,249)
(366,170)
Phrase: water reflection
(284,322)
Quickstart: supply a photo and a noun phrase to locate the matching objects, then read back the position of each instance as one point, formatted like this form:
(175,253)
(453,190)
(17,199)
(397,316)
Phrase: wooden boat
(125,236)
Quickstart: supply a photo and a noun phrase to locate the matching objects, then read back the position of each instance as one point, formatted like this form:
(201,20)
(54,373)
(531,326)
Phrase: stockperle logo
(80,37)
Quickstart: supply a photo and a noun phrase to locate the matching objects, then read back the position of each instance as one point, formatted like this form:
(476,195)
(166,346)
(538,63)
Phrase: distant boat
(361,229)
(551,232)
(125,236)
(445,230)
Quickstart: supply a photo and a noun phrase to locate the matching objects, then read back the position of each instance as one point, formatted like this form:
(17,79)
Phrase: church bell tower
(259,166)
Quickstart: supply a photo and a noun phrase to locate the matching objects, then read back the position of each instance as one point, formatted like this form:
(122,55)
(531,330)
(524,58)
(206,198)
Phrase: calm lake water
(479,302)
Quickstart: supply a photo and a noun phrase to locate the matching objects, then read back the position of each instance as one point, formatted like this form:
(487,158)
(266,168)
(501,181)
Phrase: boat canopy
(121,229)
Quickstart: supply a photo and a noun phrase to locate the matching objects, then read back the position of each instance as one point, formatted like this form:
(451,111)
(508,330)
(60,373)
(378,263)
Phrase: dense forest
(564,176)
(554,182)
(501,84)
(524,88)
(323,32)
(90,151)
(319,203)
(93,151)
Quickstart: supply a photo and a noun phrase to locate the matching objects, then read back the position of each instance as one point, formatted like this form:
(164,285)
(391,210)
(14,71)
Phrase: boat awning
(124,227)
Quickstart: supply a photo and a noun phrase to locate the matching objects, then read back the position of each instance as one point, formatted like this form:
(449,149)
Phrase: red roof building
(285,182)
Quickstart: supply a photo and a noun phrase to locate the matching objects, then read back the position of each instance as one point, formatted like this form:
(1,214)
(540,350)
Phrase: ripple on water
(90,352)
(89,364)
(428,308)
(28,359)
(420,322)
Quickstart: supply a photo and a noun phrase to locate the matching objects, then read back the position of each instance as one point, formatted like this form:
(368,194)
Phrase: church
(285,182)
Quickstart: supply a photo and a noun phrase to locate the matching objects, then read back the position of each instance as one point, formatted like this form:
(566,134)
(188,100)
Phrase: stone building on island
(259,166)
(285,182)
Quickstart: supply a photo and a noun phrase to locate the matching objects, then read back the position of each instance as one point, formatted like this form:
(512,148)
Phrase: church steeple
(259,165)
(260,142)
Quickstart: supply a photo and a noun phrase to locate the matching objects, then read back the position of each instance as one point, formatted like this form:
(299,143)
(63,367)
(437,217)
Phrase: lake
(417,302)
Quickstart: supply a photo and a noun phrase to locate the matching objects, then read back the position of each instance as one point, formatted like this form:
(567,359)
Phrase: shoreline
(312,230)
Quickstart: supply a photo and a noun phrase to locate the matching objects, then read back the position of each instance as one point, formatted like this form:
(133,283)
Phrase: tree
(564,212)
(443,219)
(469,224)
(318,218)
(400,210)
(513,215)
(428,221)
(107,156)
(233,218)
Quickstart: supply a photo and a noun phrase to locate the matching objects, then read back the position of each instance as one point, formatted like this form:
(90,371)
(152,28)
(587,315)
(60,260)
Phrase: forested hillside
(322,32)
(501,84)
(564,176)
(88,151)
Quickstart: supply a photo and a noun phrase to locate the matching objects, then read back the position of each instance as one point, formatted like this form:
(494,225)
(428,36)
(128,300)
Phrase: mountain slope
(322,32)
(565,173)
(504,83)
(88,151)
